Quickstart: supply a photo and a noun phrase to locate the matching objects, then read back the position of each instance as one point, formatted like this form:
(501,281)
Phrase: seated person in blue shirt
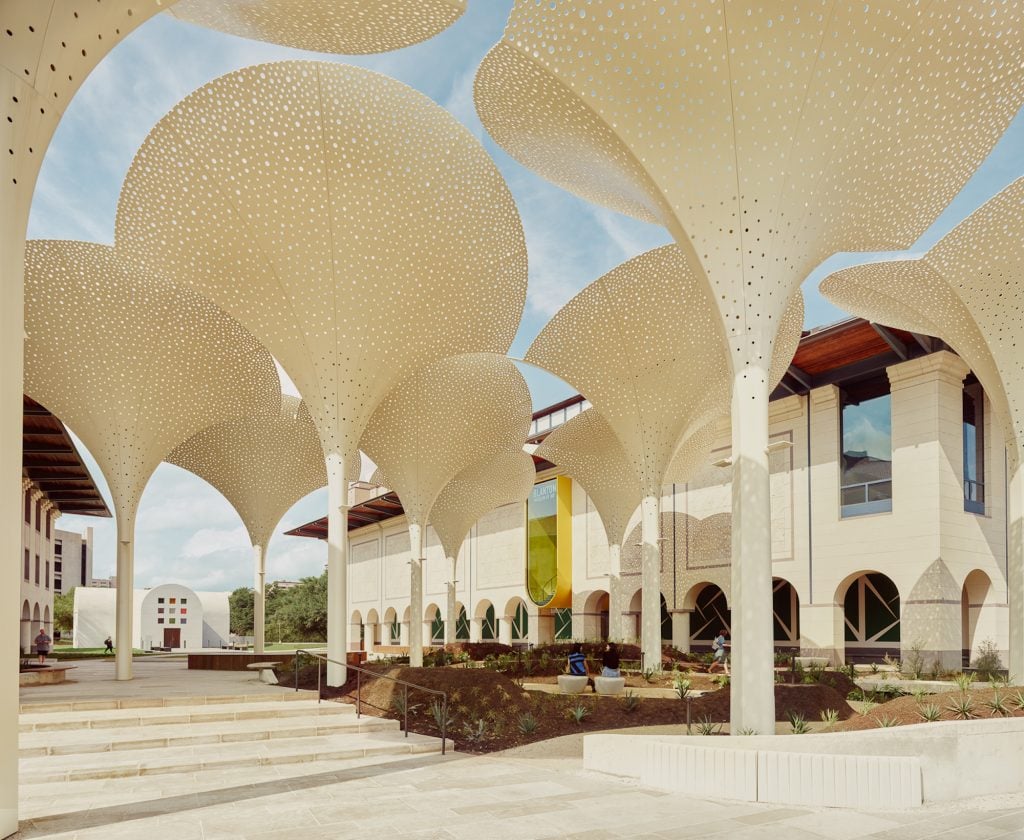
(577,665)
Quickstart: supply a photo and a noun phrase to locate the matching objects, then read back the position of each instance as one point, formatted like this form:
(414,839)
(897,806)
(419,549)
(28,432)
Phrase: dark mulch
(505,709)
(904,711)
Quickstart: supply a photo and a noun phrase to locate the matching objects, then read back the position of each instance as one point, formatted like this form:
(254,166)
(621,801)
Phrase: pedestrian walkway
(536,791)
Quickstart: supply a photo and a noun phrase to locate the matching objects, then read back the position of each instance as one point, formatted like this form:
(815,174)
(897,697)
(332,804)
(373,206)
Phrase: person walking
(718,647)
(109,645)
(42,645)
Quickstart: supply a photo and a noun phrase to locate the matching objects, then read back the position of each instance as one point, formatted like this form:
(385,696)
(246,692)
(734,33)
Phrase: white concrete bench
(609,685)
(569,684)
(266,671)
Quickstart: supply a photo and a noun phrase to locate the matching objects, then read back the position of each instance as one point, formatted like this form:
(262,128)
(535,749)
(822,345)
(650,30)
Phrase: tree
(241,603)
(299,613)
(64,612)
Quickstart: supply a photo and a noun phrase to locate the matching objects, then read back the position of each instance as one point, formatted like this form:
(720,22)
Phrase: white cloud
(207,541)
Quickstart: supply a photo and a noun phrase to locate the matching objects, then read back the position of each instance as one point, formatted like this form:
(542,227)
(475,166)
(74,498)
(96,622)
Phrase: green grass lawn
(295,646)
(66,652)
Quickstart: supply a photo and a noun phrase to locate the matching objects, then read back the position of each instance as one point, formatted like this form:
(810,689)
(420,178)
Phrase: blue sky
(186,532)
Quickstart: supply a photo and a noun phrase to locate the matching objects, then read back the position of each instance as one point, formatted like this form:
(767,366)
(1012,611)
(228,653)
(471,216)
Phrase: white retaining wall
(895,767)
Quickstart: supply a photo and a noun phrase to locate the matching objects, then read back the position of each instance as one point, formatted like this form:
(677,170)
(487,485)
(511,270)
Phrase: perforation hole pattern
(262,464)
(133,364)
(764,136)
(444,418)
(351,223)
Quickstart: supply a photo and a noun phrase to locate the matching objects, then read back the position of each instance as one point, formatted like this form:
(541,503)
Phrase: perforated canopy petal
(132,363)
(348,27)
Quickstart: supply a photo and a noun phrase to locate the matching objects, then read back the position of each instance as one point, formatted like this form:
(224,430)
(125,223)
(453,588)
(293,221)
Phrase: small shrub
(999,704)
(963,682)
(630,702)
(527,723)
(648,674)
(913,664)
(930,712)
(830,717)
(682,687)
(962,707)
(798,724)
(398,704)
(705,726)
(722,680)
(874,667)
(987,663)
(579,711)
(885,721)
(747,730)
(857,694)
(443,717)
(1018,700)
(476,732)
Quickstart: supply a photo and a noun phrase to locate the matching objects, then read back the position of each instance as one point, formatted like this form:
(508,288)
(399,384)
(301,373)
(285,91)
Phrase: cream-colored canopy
(587,449)
(348,27)
(969,290)
(352,224)
(262,464)
(644,345)
(444,418)
(763,138)
(503,479)
(133,364)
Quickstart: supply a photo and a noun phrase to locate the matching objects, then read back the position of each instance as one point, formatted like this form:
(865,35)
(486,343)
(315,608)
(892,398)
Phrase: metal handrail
(406,685)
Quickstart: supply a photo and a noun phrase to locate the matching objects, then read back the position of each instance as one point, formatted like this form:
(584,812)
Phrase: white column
(476,629)
(12,270)
(616,630)
(753,684)
(259,604)
(1015,573)
(417,548)
(650,570)
(337,570)
(681,630)
(449,624)
(505,630)
(403,633)
(124,614)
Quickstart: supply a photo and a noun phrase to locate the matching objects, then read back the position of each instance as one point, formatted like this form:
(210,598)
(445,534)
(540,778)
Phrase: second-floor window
(974,448)
(866,462)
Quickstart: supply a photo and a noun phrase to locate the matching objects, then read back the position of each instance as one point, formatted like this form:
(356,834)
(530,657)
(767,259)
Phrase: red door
(172,637)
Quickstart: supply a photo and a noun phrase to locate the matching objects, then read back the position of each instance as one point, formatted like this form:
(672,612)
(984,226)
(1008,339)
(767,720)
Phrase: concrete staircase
(107,739)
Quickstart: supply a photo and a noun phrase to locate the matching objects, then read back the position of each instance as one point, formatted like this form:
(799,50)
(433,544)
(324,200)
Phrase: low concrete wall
(956,760)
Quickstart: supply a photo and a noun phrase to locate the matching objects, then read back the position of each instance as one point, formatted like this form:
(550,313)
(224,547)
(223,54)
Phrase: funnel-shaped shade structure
(969,290)
(352,224)
(347,27)
(503,479)
(763,138)
(438,421)
(134,365)
(262,464)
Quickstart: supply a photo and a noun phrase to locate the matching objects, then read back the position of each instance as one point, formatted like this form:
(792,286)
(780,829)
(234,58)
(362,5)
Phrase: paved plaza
(535,791)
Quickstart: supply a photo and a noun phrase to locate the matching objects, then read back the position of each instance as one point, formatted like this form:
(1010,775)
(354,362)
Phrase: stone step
(161,716)
(156,736)
(221,756)
(268,696)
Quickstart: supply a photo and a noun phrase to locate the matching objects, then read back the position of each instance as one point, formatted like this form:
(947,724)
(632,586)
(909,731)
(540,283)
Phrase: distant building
(72,560)
(166,616)
(284,584)
(104,583)
(54,480)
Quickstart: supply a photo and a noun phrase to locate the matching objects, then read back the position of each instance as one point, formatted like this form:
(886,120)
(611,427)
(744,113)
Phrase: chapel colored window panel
(159,621)
(173,610)
(183,610)
(159,610)
(159,600)
(172,621)
(172,600)
(184,620)
(184,600)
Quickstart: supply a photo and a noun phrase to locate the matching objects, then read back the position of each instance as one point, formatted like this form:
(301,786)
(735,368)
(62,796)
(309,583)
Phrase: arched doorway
(372,629)
(710,614)
(871,614)
(356,632)
(394,628)
(595,615)
(26,628)
(461,624)
(488,621)
(978,614)
(785,613)
(433,615)
(516,609)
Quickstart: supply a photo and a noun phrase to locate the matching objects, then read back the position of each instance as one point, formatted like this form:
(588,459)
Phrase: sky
(186,531)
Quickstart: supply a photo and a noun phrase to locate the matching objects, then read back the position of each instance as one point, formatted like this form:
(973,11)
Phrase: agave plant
(998,704)
(747,730)
(579,711)
(930,712)
(830,717)
(443,717)
(963,681)
(475,732)
(1018,700)
(705,726)
(527,723)
(962,707)
(798,724)
(885,721)
(682,687)
(630,702)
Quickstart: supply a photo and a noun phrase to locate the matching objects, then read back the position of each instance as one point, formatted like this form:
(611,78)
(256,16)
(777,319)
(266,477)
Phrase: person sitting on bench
(577,665)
